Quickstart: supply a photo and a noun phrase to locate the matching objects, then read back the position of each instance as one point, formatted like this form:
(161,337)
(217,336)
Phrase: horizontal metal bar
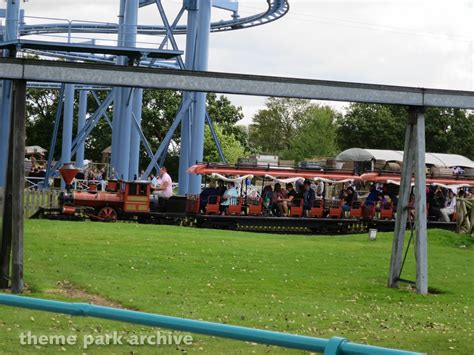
(193,326)
(104,74)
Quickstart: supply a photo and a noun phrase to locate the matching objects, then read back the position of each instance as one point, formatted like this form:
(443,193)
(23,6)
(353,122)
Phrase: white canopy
(34,149)
(436,159)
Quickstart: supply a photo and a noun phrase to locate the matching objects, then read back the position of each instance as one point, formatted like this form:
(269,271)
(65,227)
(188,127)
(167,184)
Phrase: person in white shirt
(165,184)
(450,207)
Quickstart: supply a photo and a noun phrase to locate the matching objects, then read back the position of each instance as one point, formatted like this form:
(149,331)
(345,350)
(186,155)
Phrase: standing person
(165,184)
(450,207)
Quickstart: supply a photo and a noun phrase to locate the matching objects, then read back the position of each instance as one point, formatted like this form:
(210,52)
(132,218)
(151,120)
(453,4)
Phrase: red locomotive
(120,200)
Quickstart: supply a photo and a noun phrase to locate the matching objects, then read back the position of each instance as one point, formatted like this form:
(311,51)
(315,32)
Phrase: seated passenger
(277,200)
(348,199)
(220,187)
(267,195)
(229,197)
(164,188)
(373,196)
(210,190)
(308,197)
(450,207)
(290,196)
(436,201)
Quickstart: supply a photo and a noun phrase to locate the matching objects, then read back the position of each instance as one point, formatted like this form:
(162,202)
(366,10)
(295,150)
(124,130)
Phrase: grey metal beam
(102,74)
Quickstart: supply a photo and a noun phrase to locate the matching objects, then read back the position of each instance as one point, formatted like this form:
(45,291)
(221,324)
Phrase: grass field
(317,286)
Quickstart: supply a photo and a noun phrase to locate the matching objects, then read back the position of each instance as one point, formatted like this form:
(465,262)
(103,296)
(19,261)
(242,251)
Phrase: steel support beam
(67,124)
(413,162)
(421,243)
(113,75)
(136,128)
(185,142)
(81,122)
(11,33)
(12,231)
(199,112)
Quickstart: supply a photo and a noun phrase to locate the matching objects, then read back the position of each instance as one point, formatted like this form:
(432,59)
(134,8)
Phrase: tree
(231,147)
(383,127)
(372,126)
(294,129)
(317,137)
(275,126)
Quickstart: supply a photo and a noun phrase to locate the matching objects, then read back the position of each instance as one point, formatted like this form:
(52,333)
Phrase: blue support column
(135,140)
(11,33)
(129,40)
(67,124)
(123,165)
(81,121)
(183,178)
(199,114)
(116,123)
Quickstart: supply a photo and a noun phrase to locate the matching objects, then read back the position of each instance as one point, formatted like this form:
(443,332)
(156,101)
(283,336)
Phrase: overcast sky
(413,42)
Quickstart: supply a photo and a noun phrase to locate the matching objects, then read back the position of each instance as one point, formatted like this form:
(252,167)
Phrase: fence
(333,346)
(35,199)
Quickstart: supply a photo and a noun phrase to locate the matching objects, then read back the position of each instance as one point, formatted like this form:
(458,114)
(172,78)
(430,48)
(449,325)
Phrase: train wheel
(107,214)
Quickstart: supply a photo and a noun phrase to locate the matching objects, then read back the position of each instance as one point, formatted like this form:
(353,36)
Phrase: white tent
(436,159)
(34,149)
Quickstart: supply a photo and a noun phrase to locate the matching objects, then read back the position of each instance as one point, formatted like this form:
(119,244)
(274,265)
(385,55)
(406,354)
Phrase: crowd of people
(277,201)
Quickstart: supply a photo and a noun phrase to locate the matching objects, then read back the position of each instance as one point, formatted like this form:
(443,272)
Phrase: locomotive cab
(136,196)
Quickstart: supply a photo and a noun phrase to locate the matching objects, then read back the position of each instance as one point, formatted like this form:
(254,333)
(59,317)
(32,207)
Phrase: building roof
(436,159)
(34,149)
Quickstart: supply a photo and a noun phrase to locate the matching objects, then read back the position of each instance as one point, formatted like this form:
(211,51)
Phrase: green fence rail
(333,346)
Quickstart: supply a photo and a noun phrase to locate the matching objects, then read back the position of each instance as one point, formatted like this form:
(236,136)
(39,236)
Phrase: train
(134,201)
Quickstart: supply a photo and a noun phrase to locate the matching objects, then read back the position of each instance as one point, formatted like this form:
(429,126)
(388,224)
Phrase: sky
(398,42)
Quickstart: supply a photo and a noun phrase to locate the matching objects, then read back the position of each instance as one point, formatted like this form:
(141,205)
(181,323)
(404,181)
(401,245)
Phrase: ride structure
(119,43)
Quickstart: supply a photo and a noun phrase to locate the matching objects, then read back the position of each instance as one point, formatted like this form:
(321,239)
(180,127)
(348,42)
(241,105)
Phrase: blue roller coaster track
(276,9)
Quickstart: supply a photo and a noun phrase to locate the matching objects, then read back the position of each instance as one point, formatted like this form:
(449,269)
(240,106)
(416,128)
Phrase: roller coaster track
(275,10)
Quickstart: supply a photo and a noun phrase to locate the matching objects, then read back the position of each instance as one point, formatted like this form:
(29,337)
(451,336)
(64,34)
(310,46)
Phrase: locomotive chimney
(68,173)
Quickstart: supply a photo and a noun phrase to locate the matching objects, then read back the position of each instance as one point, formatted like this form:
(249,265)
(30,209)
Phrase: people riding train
(291,194)
(450,207)
(308,197)
(278,197)
(164,187)
(209,191)
(229,197)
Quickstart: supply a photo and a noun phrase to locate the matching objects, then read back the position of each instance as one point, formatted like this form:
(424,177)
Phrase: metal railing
(335,345)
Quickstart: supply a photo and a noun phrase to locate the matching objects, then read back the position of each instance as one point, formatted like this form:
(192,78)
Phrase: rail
(335,345)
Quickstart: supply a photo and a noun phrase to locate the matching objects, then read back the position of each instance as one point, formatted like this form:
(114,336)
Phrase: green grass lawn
(317,286)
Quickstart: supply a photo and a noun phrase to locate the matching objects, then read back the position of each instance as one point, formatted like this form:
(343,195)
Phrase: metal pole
(135,139)
(123,165)
(11,33)
(81,121)
(17,154)
(421,245)
(129,40)
(202,56)
(6,246)
(116,123)
(402,206)
(183,178)
(67,124)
